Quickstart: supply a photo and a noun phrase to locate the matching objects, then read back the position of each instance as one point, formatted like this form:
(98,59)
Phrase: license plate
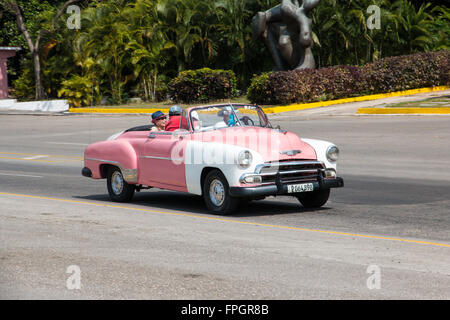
(304,187)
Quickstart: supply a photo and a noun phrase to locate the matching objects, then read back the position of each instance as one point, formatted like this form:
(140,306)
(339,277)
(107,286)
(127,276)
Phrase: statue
(286,30)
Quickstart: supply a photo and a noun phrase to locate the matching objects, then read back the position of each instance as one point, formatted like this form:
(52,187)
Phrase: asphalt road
(393,216)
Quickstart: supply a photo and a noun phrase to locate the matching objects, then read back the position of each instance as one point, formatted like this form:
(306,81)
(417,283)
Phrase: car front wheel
(216,194)
(119,190)
(314,199)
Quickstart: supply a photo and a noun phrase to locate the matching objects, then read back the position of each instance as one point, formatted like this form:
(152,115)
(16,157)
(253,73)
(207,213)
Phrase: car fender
(119,153)
(321,146)
(200,155)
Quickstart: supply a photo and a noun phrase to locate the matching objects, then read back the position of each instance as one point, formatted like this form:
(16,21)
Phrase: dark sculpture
(286,30)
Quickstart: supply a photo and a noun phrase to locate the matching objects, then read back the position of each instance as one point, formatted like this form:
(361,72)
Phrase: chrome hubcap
(117,182)
(217,192)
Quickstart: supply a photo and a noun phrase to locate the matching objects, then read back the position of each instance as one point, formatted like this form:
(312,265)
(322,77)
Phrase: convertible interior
(146,127)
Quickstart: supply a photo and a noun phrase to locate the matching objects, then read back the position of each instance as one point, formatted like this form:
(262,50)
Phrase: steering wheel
(246,120)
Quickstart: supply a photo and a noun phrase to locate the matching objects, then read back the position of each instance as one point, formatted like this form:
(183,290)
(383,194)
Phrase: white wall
(46,106)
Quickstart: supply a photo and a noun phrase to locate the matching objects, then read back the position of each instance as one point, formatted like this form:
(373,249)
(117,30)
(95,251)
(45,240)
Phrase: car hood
(271,144)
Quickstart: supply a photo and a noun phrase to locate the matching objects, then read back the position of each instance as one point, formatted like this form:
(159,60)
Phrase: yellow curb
(296,107)
(117,110)
(124,110)
(404,110)
(277,109)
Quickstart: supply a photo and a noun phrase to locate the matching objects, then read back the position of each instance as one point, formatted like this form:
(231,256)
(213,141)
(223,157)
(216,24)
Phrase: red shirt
(174,123)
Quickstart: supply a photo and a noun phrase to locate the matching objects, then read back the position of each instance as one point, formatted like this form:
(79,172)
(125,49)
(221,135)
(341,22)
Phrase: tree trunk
(155,79)
(144,85)
(13,7)
(40,94)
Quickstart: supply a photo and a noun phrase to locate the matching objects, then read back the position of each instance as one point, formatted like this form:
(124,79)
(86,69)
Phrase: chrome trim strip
(160,133)
(103,160)
(278,165)
(161,158)
(288,172)
(245,175)
(259,167)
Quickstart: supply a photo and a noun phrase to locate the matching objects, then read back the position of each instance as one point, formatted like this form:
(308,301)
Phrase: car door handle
(152,136)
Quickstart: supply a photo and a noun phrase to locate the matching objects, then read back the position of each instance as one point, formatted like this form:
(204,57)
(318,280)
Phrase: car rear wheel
(216,194)
(314,199)
(119,190)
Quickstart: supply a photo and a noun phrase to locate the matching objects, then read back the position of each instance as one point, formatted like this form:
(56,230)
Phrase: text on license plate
(304,187)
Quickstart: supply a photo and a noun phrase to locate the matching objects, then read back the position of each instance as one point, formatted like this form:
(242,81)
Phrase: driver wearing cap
(228,116)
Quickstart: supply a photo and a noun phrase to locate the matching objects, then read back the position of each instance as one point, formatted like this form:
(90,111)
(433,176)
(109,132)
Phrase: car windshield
(231,115)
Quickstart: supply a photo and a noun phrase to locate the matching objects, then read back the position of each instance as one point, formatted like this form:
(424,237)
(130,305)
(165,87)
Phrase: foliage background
(134,48)
(390,74)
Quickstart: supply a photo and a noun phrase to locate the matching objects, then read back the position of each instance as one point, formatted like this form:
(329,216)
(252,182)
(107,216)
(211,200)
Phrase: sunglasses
(161,118)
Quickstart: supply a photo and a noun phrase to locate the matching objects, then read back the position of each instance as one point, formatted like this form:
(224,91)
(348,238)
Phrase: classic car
(226,153)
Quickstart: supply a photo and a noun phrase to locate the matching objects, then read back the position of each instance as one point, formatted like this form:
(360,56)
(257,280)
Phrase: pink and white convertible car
(226,153)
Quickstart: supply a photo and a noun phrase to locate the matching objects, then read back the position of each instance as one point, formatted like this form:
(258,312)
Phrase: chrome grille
(290,171)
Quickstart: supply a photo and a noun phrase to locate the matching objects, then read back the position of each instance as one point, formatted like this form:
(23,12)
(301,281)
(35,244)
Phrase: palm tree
(385,39)
(149,45)
(414,34)
(104,38)
(440,28)
(234,32)
(179,19)
(331,29)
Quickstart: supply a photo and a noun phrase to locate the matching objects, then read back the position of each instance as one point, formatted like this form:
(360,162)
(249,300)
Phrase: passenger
(228,118)
(196,123)
(159,119)
(174,119)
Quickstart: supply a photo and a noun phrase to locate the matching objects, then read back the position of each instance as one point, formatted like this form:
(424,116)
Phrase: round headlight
(332,153)
(244,159)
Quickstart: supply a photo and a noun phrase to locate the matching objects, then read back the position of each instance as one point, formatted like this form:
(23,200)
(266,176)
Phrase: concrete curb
(412,110)
(276,109)
(296,107)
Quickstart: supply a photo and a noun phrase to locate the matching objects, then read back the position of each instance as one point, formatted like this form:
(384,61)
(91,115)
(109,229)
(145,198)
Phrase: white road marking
(39,156)
(19,175)
(69,143)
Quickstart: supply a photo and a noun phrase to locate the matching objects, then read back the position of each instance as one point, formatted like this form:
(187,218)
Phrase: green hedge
(385,75)
(203,85)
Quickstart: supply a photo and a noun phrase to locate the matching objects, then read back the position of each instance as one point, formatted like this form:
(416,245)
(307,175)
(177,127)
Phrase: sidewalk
(350,109)
(377,106)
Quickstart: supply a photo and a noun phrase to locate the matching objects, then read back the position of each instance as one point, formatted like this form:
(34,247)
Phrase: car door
(162,161)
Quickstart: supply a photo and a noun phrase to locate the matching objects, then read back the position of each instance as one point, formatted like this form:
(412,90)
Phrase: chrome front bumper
(273,178)
(281,189)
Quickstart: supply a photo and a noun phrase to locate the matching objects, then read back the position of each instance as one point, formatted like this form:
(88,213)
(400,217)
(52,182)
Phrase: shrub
(385,75)
(78,91)
(259,88)
(24,88)
(407,72)
(339,81)
(203,85)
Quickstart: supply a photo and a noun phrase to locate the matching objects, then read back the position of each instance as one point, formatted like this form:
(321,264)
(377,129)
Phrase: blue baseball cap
(174,110)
